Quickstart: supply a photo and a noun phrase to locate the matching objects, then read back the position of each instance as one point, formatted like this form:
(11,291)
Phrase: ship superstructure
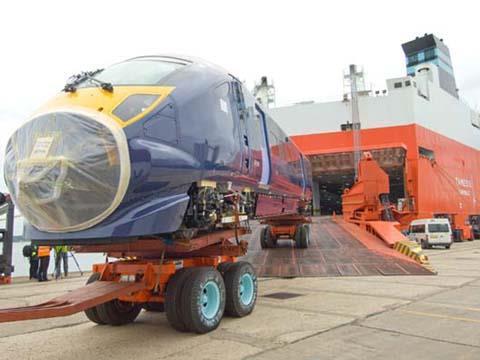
(418,129)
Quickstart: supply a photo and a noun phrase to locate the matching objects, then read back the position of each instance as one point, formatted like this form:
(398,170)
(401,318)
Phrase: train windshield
(136,72)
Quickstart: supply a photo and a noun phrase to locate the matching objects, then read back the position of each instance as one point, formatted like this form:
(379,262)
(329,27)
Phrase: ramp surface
(333,251)
(72,302)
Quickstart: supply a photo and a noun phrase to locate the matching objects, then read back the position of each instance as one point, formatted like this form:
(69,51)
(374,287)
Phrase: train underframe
(215,205)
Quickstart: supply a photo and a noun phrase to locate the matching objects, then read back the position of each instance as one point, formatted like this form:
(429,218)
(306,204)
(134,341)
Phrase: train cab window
(142,71)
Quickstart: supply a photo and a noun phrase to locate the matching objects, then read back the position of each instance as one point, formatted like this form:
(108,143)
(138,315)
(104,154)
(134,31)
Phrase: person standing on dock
(61,254)
(44,256)
(31,252)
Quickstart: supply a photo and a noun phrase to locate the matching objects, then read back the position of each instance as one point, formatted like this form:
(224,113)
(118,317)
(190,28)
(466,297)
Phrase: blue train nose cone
(67,170)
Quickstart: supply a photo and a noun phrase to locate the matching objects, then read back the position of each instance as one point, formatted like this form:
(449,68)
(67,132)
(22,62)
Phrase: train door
(242,112)
(304,174)
(259,126)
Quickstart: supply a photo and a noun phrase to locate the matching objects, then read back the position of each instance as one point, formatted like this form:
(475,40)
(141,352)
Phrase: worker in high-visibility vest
(61,254)
(44,256)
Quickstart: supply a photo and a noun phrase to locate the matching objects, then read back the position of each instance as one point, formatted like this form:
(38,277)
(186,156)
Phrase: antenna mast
(354,79)
(264,92)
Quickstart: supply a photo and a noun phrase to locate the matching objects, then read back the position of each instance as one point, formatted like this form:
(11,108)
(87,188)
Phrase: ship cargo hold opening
(333,173)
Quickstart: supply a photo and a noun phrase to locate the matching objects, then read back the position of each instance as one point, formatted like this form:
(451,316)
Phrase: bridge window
(426,153)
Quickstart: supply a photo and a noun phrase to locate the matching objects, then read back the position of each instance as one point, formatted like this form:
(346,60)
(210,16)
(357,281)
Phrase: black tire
(263,232)
(448,246)
(236,304)
(154,307)
(296,236)
(307,234)
(173,299)
(116,312)
(273,240)
(223,267)
(92,313)
(300,237)
(267,239)
(195,304)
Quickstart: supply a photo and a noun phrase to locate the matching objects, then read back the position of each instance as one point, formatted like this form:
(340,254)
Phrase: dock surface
(376,317)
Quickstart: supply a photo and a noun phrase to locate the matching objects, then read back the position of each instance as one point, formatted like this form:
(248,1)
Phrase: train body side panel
(201,130)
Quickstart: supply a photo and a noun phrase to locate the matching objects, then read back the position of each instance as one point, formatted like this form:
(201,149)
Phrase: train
(152,146)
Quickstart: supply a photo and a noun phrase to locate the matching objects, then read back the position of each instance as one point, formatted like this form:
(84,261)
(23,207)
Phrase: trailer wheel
(263,232)
(154,307)
(274,240)
(267,239)
(301,237)
(92,313)
(223,267)
(241,289)
(116,312)
(203,300)
(307,234)
(173,299)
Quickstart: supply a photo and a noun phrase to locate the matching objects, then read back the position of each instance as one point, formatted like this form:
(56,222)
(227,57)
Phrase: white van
(430,232)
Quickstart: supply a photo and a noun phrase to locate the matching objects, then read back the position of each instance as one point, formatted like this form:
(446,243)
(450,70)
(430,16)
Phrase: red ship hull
(440,175)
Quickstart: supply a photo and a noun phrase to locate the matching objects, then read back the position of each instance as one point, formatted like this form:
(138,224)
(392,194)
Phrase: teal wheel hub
(210,300)
(246,289)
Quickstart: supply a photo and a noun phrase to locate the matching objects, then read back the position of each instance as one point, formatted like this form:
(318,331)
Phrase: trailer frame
(136,278)
(287,226)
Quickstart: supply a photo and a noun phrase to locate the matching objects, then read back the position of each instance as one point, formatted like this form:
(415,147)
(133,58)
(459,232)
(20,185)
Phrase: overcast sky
(304,46)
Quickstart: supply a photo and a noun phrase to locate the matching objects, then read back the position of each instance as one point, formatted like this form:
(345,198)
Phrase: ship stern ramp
(337,248)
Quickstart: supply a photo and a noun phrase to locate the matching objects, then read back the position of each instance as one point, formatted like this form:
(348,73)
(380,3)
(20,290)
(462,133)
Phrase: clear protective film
(67,170)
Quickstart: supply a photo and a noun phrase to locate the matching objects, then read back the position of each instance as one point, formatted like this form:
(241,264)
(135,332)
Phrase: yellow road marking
(453,306)
(427,314)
